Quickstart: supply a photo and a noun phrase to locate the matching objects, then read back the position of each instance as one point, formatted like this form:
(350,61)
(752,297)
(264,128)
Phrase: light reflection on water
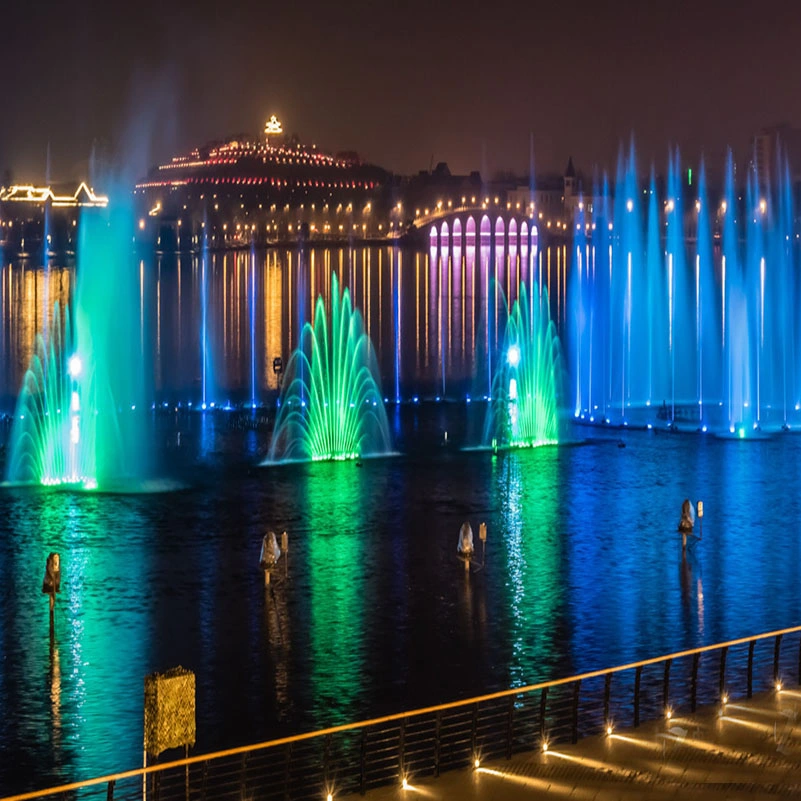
(583,571)
(430,315)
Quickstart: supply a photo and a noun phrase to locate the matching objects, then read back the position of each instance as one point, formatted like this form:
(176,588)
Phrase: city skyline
(405,90)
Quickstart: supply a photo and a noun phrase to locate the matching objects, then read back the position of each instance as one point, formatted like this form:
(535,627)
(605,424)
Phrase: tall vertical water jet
(526,390)
(656,294)
(708,319)
(670,317)
(397,262)
(331,407)
(252,307)
(79,416)
(46,225)
(205,348)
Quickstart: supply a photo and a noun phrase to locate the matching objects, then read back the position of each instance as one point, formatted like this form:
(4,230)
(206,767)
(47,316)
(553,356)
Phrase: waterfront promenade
(720,721)
(748,749)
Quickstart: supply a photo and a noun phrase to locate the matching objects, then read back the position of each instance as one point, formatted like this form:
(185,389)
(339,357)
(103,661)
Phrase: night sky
(404,84)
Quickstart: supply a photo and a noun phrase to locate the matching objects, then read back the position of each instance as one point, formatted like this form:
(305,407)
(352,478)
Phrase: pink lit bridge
(482,226)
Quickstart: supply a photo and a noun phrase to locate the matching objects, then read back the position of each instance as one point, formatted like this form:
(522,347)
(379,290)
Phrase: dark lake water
(583,568)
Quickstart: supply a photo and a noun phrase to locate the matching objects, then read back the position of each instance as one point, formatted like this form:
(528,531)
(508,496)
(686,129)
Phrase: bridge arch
(500,232)
(470,231)
(524,234)
(486,230)
(433,239)
(513,241)
(457,232)
(444,233)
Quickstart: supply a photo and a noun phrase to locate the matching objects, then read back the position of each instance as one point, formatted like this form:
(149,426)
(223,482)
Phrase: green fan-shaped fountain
(54,427)
(331,406)
(524,410)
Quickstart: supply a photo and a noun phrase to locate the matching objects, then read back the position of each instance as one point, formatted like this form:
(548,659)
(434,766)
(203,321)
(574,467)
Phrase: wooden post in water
(52,579)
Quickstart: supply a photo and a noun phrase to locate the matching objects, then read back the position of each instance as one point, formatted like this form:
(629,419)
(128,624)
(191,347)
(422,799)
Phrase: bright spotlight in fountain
(331,405)
(629,205)
(513,355)
(74,366)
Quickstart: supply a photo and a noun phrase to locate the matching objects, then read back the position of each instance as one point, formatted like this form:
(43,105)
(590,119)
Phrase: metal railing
(425,742)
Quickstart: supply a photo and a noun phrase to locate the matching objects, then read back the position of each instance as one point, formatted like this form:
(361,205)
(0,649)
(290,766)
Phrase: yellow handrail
(362,724)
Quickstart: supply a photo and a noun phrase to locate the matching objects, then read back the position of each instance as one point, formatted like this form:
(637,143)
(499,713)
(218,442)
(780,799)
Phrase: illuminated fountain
(683,304)
(331,407)
(76,421)
(524,408)
(53,441)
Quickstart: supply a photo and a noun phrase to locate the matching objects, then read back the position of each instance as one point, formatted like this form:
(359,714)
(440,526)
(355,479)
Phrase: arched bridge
(479,226)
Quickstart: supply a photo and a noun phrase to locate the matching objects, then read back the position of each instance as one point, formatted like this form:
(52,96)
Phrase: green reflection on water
(336,499)
(79,679)
(527,493)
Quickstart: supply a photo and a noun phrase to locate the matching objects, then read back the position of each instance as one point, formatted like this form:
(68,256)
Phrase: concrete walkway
(747,750)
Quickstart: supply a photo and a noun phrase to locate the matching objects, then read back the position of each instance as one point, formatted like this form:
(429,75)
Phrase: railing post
(474,733)
(722,682)
(637,678)
(799,662)
(287,770)
(437,743)
(576,689)
(327,760)
(543,707)
(402,749)
(110,791)
(666,684)
(510,722)
(694,683)
(607,693)
(750,676)
(363,763)
(776,654)
(243,776)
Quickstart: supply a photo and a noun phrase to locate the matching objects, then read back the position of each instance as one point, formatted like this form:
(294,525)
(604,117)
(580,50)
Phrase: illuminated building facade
(30,214)
(266,189)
